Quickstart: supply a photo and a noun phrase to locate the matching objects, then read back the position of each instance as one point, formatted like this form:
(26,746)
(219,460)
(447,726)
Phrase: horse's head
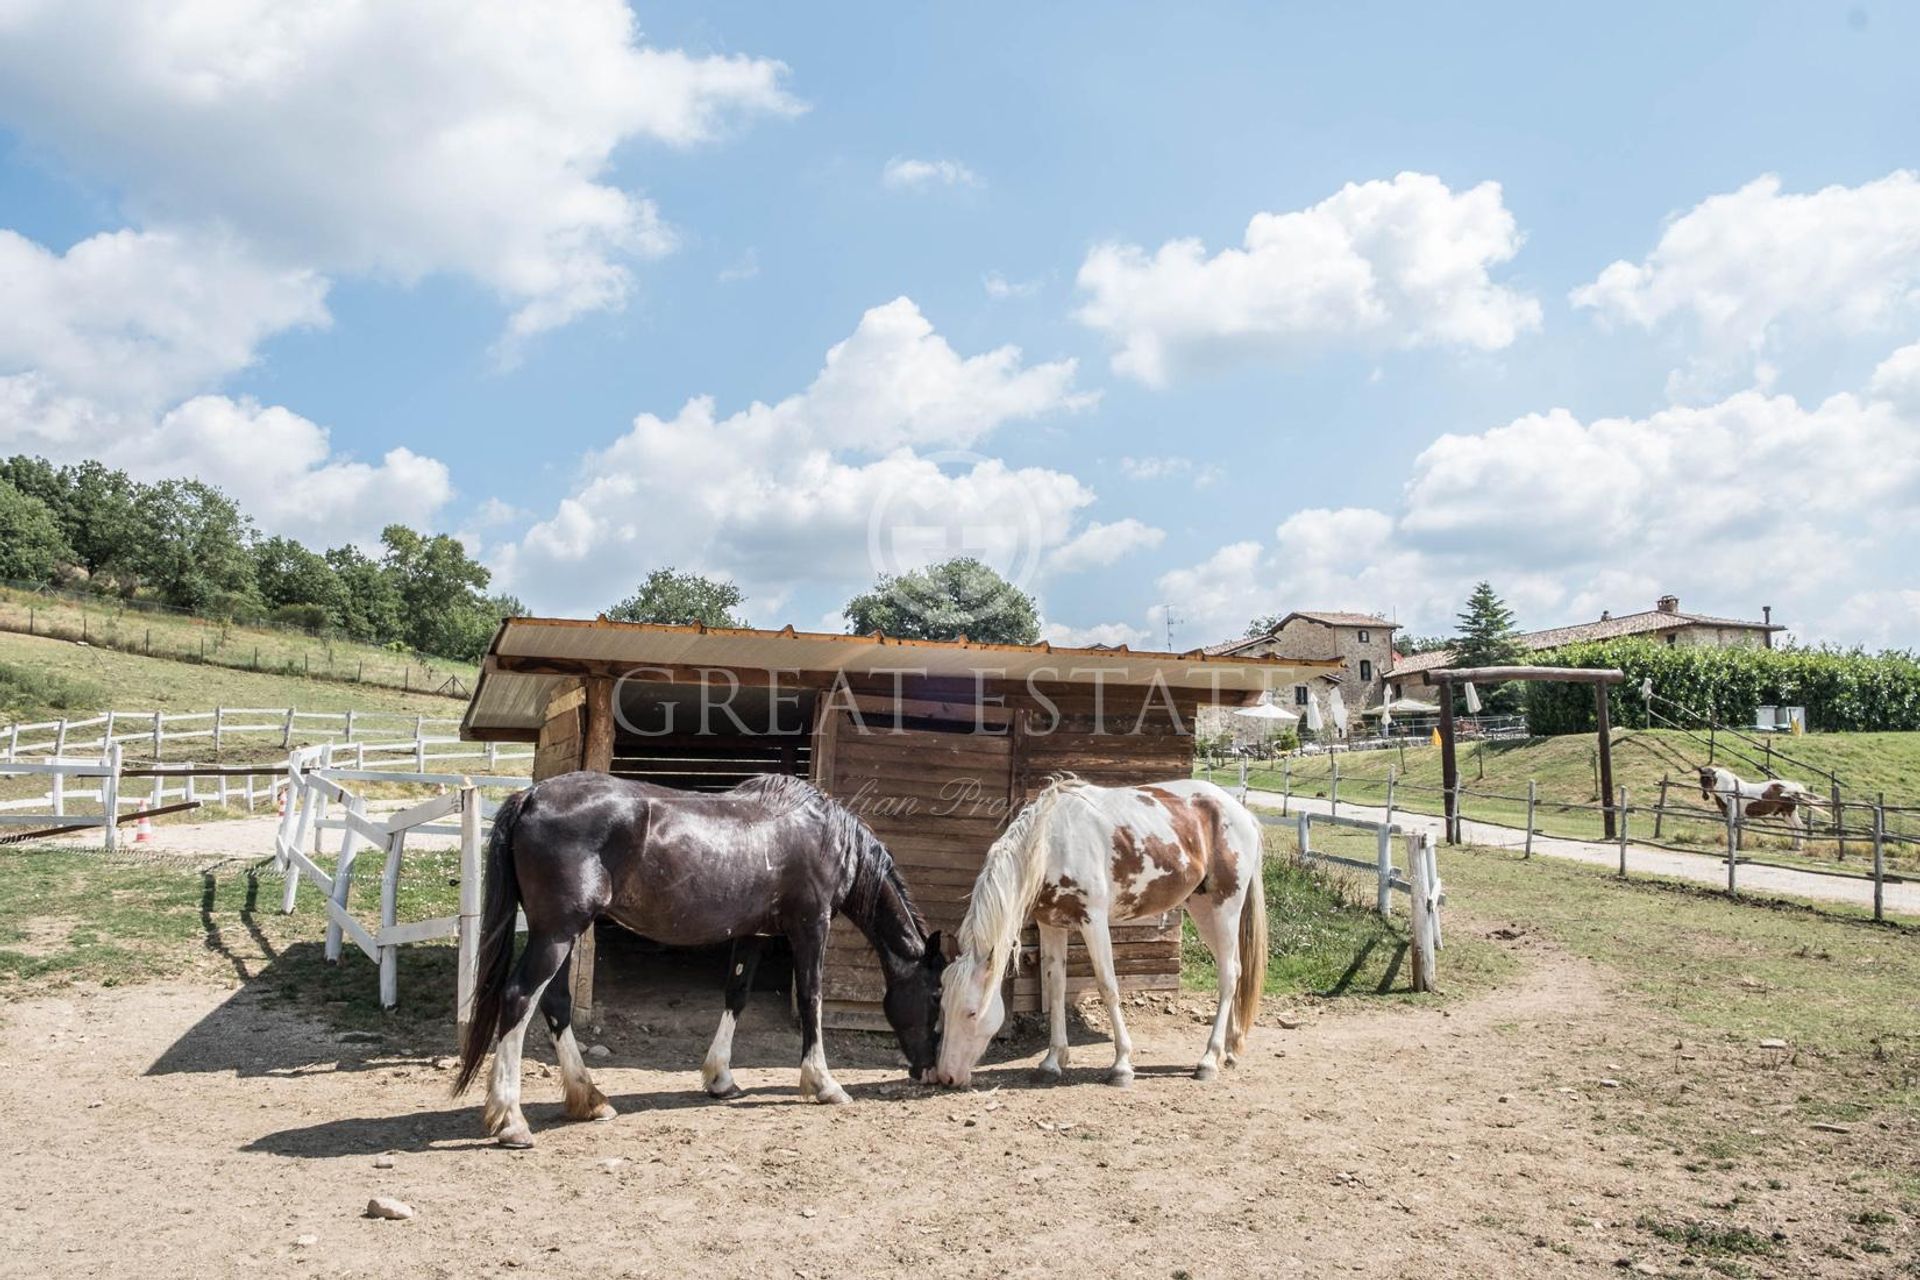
(1709,782)
(971,1011)
(912,1006)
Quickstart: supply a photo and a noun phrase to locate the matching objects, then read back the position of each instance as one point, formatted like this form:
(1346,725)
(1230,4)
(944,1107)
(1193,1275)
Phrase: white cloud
(1107,633)
(907,174)
(398,139)
(787,493)
(1103,544)
(1755,499)
(138,319)
(1377,264)
(1166,467)
(998,287)
(744,267)
(1751,267)
(279,466)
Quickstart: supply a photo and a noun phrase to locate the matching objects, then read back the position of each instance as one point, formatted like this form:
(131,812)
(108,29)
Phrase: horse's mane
(870,875)
(1008,883)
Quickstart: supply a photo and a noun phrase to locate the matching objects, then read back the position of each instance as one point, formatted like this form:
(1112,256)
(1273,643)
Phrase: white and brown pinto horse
(1774,798)
(1086,857)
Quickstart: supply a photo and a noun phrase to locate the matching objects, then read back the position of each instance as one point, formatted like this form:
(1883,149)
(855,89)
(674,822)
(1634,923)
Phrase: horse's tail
(496,942)
(1253,953)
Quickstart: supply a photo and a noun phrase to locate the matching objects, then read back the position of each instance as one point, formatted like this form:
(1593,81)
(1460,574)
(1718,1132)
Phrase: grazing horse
(1774,798)
(1086,857)
(773,855)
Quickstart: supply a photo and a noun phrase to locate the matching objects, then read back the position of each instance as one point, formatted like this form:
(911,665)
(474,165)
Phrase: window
(1365,637)
(1299,695)
(1366,669)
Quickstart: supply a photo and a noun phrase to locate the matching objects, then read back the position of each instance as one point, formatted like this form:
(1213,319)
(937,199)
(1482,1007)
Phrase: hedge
(1841,690)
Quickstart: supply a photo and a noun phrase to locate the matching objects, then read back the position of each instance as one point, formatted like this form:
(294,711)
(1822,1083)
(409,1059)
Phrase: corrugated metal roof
(509,700)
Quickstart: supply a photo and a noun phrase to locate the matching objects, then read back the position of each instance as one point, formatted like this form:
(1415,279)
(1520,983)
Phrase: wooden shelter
(935,744)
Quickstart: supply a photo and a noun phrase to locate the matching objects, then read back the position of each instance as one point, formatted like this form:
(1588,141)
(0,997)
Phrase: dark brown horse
(771,856)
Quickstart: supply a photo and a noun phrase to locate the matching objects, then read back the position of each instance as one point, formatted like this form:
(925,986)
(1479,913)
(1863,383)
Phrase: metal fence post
(1383,854)
(1620,812)
(1879,857)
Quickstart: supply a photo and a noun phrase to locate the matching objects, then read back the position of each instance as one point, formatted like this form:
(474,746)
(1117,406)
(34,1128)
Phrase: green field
(104,624)
(1495,776)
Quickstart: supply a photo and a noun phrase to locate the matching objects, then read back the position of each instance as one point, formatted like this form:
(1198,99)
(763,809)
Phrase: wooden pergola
(1598,677)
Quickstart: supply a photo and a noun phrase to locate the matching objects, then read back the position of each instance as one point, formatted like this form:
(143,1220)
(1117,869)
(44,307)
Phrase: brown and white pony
(1086,857)
(1774,798)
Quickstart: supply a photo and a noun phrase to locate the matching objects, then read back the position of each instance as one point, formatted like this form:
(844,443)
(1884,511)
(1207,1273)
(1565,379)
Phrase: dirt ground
(171,1130)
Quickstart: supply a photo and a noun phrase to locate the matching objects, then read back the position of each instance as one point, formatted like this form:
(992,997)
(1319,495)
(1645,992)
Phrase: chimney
(1668,604)
(1606,615)
(1766,614)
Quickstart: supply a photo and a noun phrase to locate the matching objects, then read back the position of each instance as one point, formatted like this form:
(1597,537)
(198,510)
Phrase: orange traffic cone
(143,830)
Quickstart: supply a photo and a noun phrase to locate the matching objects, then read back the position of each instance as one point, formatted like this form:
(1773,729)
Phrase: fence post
(1533,795)
(1419,875)
(219,715)
(159,735)
(60,738)
(419,755)
(112,720)
(493,748)
(1733,842)
(286,736)
(390,916)
(1392,777)
(1333,790)
(1305,838)
(13,741)
(343,879)
(1839,823)
(1620,812)
(1457,835)
(350,724)
(1286,784)
(468,964)
(1383,854)
(1660,809)
(1879,857)
(110,796)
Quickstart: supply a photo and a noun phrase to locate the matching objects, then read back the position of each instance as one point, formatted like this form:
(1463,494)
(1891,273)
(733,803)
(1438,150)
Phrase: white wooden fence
(392,735)
(1420,881)
(319,801)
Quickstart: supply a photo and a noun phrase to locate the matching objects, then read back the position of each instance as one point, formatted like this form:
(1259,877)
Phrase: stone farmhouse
(1665,623)
(1361,641)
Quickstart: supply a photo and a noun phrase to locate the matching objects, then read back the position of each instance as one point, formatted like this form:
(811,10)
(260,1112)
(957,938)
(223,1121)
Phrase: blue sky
(273,250)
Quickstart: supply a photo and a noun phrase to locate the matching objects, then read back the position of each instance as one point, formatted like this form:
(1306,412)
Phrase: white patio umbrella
(1337,709)
(1268,712)
(1315,721)
(1386,716)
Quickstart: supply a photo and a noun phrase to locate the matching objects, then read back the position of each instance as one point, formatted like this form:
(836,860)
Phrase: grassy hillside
(42,678)
(1496,774)
(104,624)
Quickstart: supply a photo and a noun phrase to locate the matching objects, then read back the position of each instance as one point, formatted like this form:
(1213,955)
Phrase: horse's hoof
(834,1097)
(515,1137)
(1120,1079)
(1206,1072)
(1044,1074)
(725,1092)
(604,1111)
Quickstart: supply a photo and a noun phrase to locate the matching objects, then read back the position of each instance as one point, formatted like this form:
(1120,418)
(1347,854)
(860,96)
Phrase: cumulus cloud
(999,288)
(1102,544)
(1099,633)
(1754,499)
(1378,264)
(907,174)
(861,473)
(1169,466)
(398,139)
(137,319)
(279,466)
(1743,270)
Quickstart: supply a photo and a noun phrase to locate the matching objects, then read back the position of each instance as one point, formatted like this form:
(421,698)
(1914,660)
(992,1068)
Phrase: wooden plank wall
(562,738)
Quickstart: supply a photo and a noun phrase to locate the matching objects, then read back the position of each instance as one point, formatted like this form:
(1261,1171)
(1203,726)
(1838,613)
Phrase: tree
(1487,638)
(680,598)
(96,507)
(1262,625)
(31,546)
(369,605)
(439,586)
(287,573)
(191,549)
(962,597)
(1407,646)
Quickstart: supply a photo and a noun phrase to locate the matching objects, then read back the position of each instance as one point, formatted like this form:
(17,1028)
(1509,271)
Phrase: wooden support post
(59,792)
(1383,854)
(286,733)
(1449,765)
(1733,843)
(1333,790)
(1839,823)
(1420,866)
(110,796)
(1620,812)
(350,716)
(1286,785)
(1660,809)
(468,963)
(1392,778)
(389,917)
(1243,780)
(301,802)
(60,737)
(159,737)
(219,725)
(1600,714)
(1305,838)
(596,754)
(1533,796)
(343,880)
(1879,858)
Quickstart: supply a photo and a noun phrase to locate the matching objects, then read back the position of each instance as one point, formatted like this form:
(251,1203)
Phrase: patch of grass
(1708,1237)
(1326,938)
(74,917)
(27,692)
